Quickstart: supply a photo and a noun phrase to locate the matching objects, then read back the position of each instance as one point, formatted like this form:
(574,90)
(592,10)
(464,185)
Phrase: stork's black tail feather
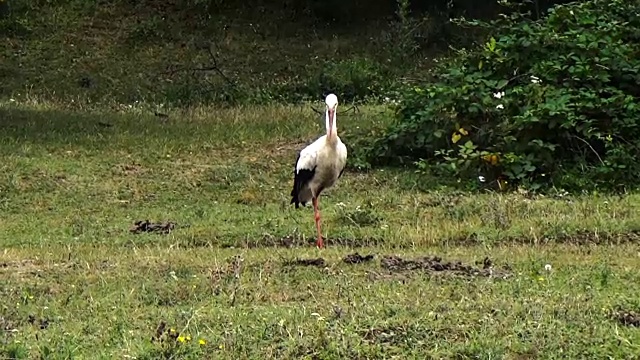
(294,193)
(300,180)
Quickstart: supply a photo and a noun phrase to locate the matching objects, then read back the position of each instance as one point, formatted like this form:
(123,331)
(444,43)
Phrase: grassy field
(238,277)
(120,52)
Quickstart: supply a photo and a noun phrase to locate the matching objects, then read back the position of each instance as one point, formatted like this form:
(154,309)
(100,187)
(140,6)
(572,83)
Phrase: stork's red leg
(316,211)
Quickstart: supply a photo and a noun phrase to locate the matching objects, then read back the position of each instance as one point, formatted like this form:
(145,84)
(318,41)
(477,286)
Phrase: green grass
(75,283)
(116,52)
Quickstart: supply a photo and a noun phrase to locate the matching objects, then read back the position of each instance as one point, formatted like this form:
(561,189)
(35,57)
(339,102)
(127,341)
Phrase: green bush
(541,103)
(353,79)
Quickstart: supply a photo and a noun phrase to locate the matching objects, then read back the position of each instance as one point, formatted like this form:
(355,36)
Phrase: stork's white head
(332,104)
(331,101)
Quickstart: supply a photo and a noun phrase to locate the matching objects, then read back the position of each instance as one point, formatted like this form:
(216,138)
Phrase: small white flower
(499,106)
(547,267)
(481,178)
(498,95)
(12,100)
(571,12)
(535,79)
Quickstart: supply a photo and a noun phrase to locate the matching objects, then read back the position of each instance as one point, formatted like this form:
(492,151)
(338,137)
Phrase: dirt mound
(356,258)
(147,226)
(628,318)
(42,323)
(306,262)
(486,263)
(435,264)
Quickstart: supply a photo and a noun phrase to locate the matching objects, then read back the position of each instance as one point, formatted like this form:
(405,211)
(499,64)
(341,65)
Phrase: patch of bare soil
(583,237)
(128,169)
(306,262)
(149,227)
(271,241)
(353,242)
(486,263)
(42,323)
(435,264)
(164,334)
(8,325)
(10,322)
(356,258)
(586,237)
(381,335)
(627,318)
(19,266)
(290,241)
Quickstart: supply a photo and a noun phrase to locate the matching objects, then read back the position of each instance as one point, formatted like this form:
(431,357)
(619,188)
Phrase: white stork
(319,165)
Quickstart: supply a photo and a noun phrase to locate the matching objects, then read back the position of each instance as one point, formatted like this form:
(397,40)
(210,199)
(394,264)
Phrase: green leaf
(502,84)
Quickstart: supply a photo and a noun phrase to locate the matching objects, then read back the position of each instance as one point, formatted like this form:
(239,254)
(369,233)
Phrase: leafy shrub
(353,79)
(548,102)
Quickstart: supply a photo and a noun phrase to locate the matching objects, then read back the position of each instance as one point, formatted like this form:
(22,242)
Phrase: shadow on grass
(96,131)
(60,126)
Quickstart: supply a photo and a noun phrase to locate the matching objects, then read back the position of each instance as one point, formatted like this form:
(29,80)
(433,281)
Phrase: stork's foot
(320,243)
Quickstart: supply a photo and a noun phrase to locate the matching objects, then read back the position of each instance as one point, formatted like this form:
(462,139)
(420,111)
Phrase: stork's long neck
(332,128)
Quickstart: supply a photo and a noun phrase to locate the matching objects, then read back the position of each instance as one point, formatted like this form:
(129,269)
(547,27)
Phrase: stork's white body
(326,158)
(319,165)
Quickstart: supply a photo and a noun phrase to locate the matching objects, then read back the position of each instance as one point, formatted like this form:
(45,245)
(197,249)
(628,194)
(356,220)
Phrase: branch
(216,68)
(353,108)
(213,67)
(591,147)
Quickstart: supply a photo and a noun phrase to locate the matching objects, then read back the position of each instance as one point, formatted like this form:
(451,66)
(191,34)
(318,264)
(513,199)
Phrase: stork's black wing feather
(341,171)
(300,179)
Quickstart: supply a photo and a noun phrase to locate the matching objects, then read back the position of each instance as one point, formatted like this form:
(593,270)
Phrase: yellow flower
(181,338)
(172,330)
(540,278)
(202,342)
(455,137)
(188,338)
